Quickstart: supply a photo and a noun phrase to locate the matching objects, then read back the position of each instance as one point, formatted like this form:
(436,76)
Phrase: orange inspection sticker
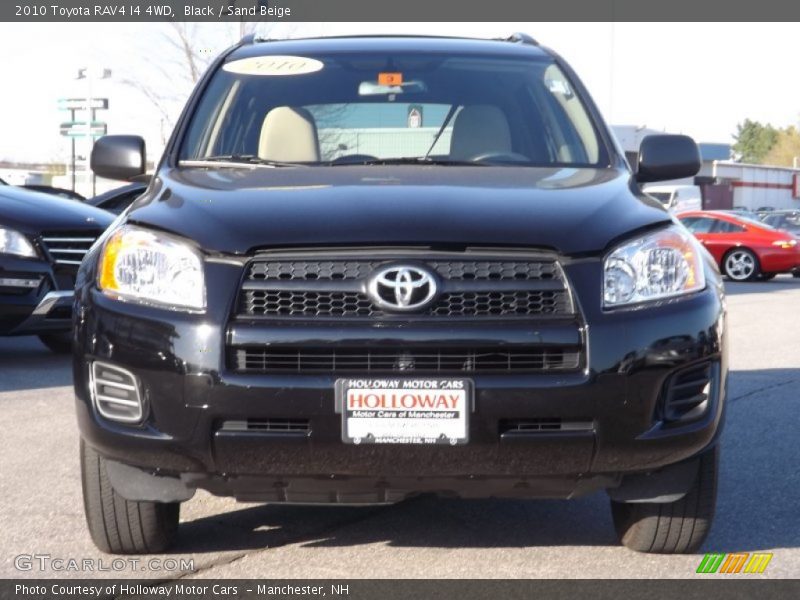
(390,79)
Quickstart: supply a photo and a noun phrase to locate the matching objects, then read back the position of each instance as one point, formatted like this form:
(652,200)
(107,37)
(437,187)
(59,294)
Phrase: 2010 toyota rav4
(369,268)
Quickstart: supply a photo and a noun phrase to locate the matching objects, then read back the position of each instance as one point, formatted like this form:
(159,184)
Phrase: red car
(745,249)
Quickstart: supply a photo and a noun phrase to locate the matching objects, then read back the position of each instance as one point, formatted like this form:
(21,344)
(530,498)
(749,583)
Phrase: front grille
(312,270)
(275,359)
(524,287)
(356,304)
(499,304)
(308,304)
(68,247)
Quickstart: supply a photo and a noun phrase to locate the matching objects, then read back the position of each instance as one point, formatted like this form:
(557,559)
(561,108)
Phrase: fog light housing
(115,393)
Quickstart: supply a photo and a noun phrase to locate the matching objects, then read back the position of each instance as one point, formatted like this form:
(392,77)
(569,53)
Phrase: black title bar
(721,587)
(398,10)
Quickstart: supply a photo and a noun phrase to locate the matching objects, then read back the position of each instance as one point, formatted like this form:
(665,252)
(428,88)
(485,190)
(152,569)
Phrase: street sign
(78,129)
(80,104)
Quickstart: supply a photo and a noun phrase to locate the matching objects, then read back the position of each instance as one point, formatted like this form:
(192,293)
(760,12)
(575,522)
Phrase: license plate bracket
(405,410)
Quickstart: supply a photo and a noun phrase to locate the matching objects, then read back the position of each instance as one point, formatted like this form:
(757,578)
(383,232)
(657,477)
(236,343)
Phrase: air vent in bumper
(267,425)
(115,393)
(688,392)
(543,425)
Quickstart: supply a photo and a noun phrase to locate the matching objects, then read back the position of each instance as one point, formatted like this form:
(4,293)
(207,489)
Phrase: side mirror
(664,157)
(118,157)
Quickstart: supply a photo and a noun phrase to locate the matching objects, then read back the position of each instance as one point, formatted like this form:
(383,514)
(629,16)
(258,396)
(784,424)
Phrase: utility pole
(72,139)
(90,73)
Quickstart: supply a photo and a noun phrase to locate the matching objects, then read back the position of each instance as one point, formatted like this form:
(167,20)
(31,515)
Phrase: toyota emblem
(402,287)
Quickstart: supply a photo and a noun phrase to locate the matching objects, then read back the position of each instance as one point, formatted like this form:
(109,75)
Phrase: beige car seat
(289,135)
(479,129)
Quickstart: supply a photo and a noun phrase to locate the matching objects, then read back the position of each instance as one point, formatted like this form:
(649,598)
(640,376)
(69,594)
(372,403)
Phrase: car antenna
(522,38)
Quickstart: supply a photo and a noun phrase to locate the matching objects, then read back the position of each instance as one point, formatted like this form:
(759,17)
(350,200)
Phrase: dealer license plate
(404,410)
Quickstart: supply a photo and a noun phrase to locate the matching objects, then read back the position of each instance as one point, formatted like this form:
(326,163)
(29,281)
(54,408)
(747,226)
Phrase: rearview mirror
(664,157)
(118,157)
(371,88)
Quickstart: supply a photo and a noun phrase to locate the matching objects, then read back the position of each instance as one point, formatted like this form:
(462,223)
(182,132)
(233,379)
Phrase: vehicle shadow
(26,364)
(756,507)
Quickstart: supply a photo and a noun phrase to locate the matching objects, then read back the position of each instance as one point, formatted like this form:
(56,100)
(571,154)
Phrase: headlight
(151,268)
(13,242)
(663,264)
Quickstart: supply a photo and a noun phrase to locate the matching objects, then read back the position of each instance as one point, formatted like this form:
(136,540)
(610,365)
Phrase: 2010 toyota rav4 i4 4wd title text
(368,268)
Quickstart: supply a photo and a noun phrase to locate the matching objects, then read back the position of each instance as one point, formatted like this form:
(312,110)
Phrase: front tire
(121,526)
(60,343)
(741,264)
(678,527)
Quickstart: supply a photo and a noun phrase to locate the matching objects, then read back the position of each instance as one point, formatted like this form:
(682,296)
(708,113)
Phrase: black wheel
(60,343)
(121,526)
(678,527)
(796,273)
(740,264)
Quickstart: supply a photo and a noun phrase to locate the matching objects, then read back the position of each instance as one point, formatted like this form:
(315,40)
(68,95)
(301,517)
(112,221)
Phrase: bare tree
(169,71)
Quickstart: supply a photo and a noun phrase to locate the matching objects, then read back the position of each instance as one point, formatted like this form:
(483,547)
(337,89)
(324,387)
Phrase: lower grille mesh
(267,425)
(284,303)
(455,360)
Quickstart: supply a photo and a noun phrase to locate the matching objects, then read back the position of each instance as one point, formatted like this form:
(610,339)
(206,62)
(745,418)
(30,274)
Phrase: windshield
(404,107)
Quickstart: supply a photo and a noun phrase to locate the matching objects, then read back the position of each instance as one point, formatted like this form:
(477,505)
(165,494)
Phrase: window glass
(699,224)
(356,107)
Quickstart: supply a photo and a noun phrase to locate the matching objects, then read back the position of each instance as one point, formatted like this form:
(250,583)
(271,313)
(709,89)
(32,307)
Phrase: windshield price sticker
(273,66)
(405,411)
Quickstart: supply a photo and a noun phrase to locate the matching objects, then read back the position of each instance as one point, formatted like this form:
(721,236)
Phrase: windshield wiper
(406,160)
(238,159)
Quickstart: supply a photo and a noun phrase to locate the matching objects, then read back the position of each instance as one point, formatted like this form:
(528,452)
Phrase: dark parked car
(118,199)
(48,189)
(55,191)
(369,268)
(42,241)
(784,220)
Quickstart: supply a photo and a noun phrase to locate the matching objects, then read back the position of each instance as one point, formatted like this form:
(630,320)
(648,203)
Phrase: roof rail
(522,38)
(252,38)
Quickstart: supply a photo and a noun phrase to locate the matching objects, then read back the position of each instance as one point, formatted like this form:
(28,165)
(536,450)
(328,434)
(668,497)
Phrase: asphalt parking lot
(42,514)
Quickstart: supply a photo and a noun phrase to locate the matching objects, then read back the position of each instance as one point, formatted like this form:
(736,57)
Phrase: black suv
(368,268)
(43,239)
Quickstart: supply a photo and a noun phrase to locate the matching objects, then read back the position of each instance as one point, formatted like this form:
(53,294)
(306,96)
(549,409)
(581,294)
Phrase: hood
(34,212)
(569,210)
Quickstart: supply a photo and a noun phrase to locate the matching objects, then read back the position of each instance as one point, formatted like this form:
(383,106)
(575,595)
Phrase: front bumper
(33,299)
(191,394)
